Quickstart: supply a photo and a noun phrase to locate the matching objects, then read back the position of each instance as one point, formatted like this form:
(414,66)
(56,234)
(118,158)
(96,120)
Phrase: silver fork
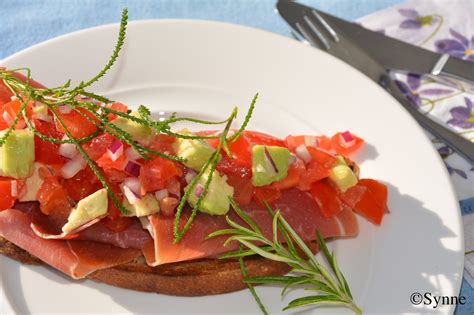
(312,28)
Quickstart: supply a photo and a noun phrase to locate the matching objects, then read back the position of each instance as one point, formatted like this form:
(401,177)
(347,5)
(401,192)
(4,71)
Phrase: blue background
(24,23)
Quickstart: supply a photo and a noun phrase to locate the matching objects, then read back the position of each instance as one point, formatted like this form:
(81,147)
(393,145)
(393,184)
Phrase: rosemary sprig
(332,287)
(245,274)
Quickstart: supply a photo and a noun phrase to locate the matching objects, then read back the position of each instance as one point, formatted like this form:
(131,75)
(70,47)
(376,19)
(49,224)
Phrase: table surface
(26,22)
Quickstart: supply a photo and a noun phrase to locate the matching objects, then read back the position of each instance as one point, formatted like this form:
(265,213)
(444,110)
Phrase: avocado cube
(269,164)
(343,177)
(216,201)
(87,209)
(17,154)
(138,132)
(195,151)
(146,206)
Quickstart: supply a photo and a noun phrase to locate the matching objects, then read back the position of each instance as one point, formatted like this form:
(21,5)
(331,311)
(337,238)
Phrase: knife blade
(349,51)
(393,53)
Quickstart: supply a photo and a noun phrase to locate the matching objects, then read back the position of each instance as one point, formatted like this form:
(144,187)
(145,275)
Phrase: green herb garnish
(90,106)
(332,287)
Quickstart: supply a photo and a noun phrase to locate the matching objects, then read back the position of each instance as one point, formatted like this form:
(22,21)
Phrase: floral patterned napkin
(445,27)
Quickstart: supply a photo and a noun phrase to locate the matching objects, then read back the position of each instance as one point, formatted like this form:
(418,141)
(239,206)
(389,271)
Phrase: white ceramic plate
(204,68)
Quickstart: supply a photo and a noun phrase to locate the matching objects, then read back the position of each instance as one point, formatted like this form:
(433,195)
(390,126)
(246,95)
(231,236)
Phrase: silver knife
(406,57)
(395,54)
(309,24)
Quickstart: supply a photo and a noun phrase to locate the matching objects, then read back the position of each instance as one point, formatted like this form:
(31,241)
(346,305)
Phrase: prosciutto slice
(297,207)
(132,237)
(75,258)
(48,227)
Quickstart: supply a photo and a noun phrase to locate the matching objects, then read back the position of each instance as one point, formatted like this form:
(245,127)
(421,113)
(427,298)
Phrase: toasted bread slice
(190,278)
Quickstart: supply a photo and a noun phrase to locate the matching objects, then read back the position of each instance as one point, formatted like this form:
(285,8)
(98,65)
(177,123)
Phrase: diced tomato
(114,175)
(240,150)
(322,142)
(31,82)
(255,137)
(97,147)
(10,110)
(45,151)
(163,143)
(119,107)
(317,169)
(106,162)
(323,158)
(82,184)
(114,221)
(78,125)
(173,186)
(352,196)
(5,94)
(267,194)
(52,197)
(314,172)
(345,148)
(118,224)
(7,198)
(168,205)
(326,197)
(374,200)
(292,179)
(238,176)
(155,172)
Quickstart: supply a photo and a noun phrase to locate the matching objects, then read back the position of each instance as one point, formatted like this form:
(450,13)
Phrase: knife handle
(458,143)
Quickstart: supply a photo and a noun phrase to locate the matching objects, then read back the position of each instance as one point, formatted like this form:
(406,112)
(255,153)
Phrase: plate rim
(214,23)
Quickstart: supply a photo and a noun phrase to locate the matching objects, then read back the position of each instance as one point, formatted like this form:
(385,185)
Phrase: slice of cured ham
(46,227)
(297,207)
(75,258)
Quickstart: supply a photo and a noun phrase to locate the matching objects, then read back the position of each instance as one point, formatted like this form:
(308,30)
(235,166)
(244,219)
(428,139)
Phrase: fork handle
(458,143)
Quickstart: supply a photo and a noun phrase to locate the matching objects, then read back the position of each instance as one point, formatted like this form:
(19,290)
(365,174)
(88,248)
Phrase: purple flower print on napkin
(463,116)
(410,89)
(460,46)
(445,152)
(414,19)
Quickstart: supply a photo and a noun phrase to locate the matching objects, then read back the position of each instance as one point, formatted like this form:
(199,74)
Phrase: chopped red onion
(269,160)
(146,225)
(43,117)
(131,196)
(311,141)
(347,136)
(134,184)
(74,166)
(64,109)
(291,159)
(190,174)
(14,188)
(302,153)
(132,169)
(161,194)
(115,150)
(131,154)
(68,150)
(7,117)
(198,190)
